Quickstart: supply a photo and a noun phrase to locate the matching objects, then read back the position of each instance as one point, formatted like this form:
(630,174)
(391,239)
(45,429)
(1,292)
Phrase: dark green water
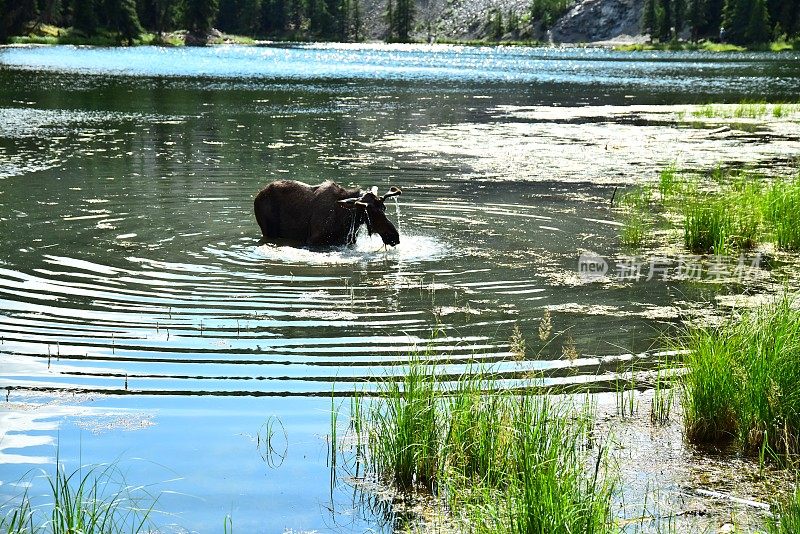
(142,319)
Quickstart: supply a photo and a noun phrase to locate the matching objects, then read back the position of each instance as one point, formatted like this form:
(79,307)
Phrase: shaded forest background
(741,22)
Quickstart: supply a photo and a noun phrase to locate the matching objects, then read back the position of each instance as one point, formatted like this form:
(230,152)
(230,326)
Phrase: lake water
(143,322)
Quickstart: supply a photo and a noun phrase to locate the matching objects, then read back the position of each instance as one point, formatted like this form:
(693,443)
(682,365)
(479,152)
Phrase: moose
(322,215)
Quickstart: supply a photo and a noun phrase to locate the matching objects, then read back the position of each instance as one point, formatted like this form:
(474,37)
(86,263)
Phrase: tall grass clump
(404,432)
(781,207)
(636,223)
(731,219)
(83,501)
(668,181)
(503,460)
(742,381)
(706,226)
(786,515)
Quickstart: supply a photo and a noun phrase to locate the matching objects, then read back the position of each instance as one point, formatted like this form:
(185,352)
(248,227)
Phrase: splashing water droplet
(397,213)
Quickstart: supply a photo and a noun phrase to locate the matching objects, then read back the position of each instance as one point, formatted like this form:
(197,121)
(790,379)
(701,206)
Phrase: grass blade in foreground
(91,501)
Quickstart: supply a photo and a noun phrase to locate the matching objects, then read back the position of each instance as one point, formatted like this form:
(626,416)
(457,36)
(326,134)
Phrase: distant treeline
(741,22)
(338,20)
(735,21)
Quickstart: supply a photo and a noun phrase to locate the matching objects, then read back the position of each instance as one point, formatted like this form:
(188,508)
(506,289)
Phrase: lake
(144,322)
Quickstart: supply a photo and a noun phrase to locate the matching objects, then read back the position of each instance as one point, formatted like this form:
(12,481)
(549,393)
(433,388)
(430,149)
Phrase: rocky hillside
(587,21)
(599,20)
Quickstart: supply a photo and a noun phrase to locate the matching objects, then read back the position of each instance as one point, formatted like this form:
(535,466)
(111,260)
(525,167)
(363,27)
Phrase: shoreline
(625,43)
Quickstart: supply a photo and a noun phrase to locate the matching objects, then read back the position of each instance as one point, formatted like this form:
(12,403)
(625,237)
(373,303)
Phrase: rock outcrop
(599,20)
(587,21)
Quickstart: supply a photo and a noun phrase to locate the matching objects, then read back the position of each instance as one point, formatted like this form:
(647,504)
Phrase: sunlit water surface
(144,322)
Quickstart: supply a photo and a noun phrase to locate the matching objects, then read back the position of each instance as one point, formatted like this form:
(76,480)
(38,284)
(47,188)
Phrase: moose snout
(392,240)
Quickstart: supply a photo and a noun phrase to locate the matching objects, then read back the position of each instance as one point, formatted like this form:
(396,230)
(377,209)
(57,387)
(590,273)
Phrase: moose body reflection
(322,215)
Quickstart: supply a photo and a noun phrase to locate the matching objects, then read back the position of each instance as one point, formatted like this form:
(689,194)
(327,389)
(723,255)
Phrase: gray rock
(599,20)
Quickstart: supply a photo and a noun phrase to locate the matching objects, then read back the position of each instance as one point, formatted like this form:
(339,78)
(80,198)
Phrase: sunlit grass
(502,460)
(742,381)
(746,110)
(636,229)
(723,213)
(87,501)
(786,515)
(781,208)
(636,221)
(53,35)
(710,46)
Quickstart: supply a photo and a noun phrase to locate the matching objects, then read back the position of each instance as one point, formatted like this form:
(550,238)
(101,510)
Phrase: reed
(404,433)
(636,223)
(663,398)
(706,227)
(781,208)
(88,502)
(742,381)
(786,515)
(636,229)
(503,460)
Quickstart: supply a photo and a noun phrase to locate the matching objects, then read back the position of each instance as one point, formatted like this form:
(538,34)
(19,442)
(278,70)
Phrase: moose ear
(393,192)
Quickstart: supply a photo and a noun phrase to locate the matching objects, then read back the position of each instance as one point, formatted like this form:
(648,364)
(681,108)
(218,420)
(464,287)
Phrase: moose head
(371,208)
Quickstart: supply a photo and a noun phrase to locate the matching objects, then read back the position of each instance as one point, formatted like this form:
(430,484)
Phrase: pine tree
(199,15)
(403,19)
(735,19)
(274,18)
(320,21)
(678,17)
(712,15)
(390,20)
(84,16)
(14,15)
(50,11)
(758,26)
(696,17)
(497,25)
(125,20)
(355,20)
(649,17)
(663,20)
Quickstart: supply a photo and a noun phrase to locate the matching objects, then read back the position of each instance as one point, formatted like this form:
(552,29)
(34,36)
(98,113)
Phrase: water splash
(412,248)
(397,214)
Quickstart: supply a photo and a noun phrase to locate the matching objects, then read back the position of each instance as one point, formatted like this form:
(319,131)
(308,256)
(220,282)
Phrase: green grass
(636,229)
(487,42)
(405,432)
(705,228)
(680,45)
(709,46)
(746,109)
(786,516)
(726,220)
(636,220)
(85,501)
(723,213)
(663,399)
(53,35)
(668,181)
(781,209)
(503,460)
(742,381)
